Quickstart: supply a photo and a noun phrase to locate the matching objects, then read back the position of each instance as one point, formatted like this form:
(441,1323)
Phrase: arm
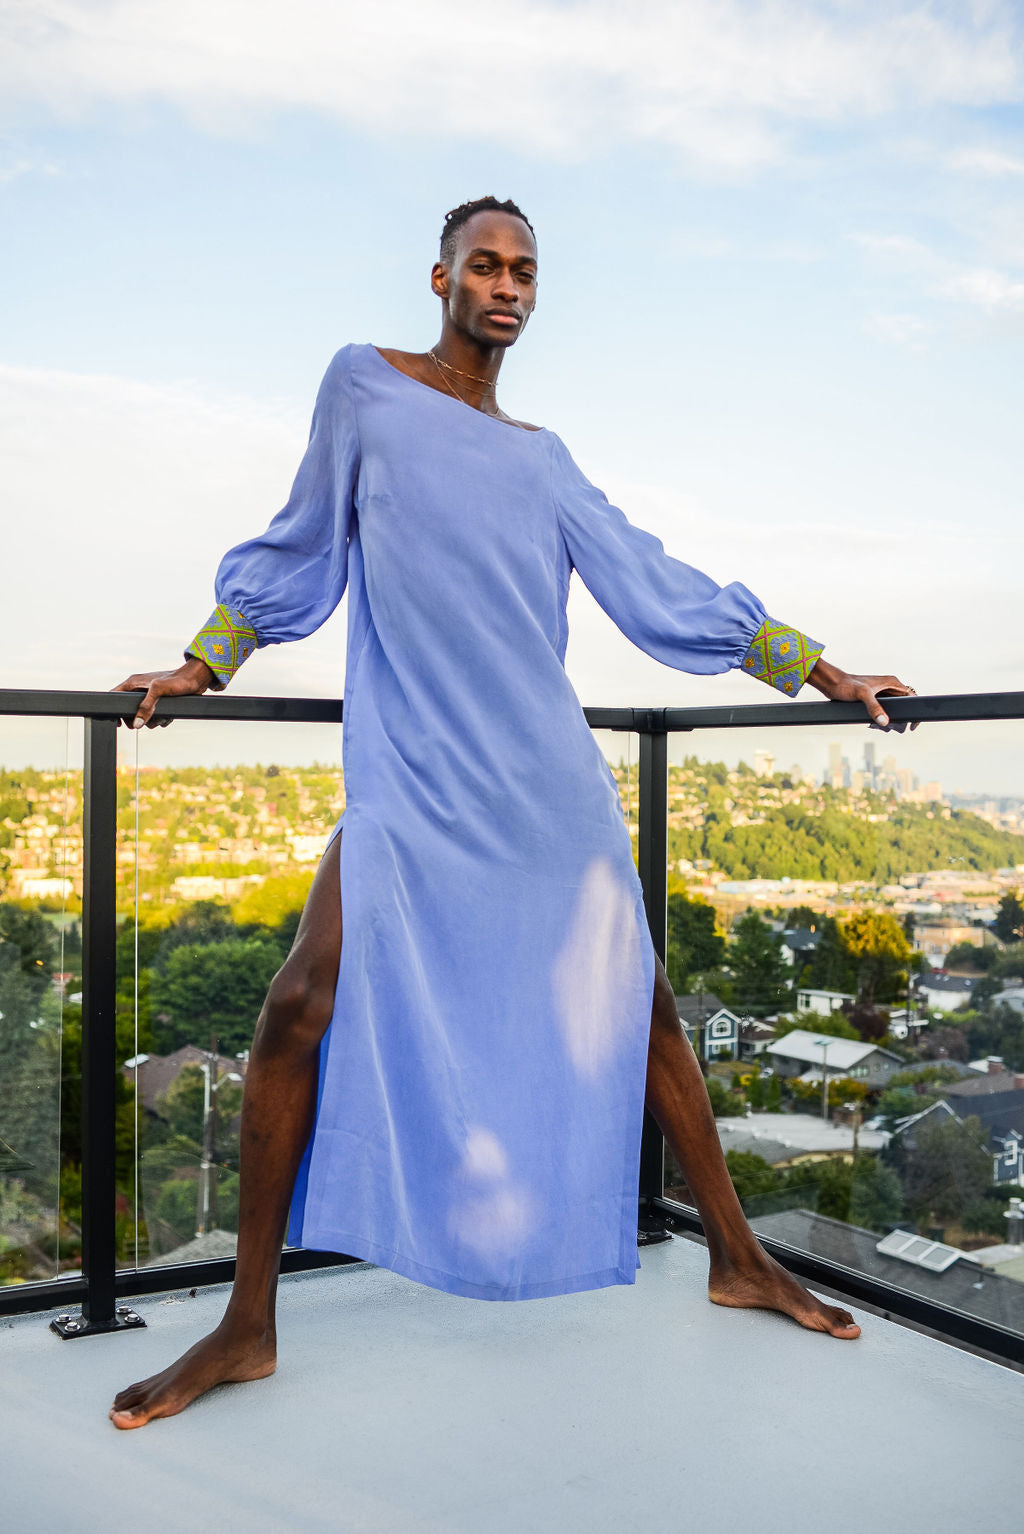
(285,583)
(681,616)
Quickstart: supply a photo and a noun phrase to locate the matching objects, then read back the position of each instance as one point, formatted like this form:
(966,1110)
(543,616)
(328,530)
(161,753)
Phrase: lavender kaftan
(482,1080)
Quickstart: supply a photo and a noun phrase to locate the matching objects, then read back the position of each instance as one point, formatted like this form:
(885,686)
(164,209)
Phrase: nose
(505,289)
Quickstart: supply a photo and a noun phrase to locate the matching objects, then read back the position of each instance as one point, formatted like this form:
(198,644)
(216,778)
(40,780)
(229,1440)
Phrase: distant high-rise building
(869,758)
(764,763)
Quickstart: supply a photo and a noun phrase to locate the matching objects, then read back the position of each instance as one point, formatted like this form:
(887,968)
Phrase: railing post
(652,849)
(100,1312)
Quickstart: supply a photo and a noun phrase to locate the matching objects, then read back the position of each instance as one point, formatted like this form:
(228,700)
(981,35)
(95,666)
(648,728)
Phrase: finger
(874,708)
(146,707)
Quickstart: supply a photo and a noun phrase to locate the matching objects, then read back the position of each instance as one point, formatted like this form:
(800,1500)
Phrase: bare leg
(741,1274)
(277,1116)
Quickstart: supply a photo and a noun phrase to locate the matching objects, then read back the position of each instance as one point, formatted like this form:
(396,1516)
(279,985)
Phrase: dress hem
(364,1250)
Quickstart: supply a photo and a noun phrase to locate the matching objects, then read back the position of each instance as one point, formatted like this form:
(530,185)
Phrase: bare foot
(765,1285)
(219,1359)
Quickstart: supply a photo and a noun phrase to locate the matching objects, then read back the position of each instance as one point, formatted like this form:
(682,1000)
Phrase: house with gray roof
(807,1054)
(945,1275)
(711,1027)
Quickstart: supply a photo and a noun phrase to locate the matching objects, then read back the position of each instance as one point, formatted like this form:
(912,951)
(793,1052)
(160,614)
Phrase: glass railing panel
(40,998)
(220,832)
(846,940)
(621,751)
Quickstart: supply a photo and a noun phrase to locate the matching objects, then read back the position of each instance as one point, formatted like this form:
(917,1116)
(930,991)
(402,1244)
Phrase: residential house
(798,945)
(158,1072)
(808,1055)
(944,993)
(810,1000)
(713,1030)
(755,1036)
(929,1268)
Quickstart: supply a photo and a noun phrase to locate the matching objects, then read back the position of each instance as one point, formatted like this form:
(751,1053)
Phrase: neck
(461,351)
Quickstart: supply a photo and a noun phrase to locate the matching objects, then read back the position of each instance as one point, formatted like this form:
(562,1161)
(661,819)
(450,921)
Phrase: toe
(126,1417)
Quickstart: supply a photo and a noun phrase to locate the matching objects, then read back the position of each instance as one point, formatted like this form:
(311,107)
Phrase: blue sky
(780,319)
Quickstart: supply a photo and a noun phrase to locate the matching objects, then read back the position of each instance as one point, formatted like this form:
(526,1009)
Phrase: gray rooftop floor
(396,1408)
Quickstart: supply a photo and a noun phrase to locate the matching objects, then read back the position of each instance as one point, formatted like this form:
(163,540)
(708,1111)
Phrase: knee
(297,1010)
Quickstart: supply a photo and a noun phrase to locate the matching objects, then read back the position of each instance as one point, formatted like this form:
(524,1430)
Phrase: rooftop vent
(933,1255)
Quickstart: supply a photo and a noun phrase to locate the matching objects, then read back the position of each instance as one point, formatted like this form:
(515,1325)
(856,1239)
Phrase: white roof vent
(933,1255)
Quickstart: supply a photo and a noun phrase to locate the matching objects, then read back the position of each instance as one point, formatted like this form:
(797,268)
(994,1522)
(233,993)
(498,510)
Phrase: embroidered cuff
(781,656)
(225,640)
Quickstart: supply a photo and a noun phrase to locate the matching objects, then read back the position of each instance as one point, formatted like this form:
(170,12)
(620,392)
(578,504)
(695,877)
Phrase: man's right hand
(191,679)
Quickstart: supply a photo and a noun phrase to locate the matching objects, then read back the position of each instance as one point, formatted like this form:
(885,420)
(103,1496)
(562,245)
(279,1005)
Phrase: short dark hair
(456,217)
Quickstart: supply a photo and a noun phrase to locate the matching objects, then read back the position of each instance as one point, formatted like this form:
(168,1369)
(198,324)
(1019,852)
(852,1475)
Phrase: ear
(439,279)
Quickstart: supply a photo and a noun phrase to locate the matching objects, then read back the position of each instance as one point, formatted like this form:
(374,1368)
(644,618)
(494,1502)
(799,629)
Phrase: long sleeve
(667,608)
(285,583)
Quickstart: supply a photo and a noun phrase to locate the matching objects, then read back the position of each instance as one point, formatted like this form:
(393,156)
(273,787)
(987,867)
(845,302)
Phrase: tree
(902,1102)
(761,973)
(724,1103)
(1009,922)
(966,956)
(694,945)
(833,1180)
(831,968)
(871,1023)
(879,945)
(773,1093)
(182,1104)
(946,1170)
(750,1174)
(945,1043)
(218,988)
(997,1030)
(876,1194)
(835,1024)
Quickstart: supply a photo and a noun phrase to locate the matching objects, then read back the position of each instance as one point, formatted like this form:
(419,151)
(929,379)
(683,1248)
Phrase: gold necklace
(448,367)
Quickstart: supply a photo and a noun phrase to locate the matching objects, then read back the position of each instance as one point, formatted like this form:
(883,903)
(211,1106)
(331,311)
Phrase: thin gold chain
(450,386)
(487,382)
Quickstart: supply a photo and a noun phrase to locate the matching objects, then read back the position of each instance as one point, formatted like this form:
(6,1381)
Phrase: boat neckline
(529,431)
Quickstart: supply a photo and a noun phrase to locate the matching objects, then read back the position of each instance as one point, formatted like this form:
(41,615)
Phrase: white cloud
(14,165)
(994,292)
(999,294)
(986,162)
(722,82)
(899,329)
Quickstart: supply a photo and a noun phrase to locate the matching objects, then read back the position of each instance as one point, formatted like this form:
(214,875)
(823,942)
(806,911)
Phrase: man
(455,1091)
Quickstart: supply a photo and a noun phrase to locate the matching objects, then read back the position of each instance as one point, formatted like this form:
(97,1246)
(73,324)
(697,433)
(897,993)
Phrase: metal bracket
(68,1327)
(649,720)
(652,1225)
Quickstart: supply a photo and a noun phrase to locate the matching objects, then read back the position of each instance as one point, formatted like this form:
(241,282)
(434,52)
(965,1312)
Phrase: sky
(780,316)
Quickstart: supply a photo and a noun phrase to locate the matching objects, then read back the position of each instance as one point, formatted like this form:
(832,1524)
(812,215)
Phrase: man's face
(491,285)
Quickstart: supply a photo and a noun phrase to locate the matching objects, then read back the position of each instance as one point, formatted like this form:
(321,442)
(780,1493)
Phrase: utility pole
(824,1077)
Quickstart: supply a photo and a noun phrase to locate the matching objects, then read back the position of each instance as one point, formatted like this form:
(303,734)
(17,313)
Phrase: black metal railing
(102,1285)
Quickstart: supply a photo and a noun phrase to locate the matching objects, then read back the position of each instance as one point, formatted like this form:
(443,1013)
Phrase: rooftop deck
(397,1408)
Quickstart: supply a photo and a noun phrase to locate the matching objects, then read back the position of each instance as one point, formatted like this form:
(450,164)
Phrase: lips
(503,317)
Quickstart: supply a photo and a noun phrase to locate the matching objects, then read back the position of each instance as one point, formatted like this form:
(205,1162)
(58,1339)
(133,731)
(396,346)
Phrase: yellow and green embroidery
(225,640)
(781,656)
